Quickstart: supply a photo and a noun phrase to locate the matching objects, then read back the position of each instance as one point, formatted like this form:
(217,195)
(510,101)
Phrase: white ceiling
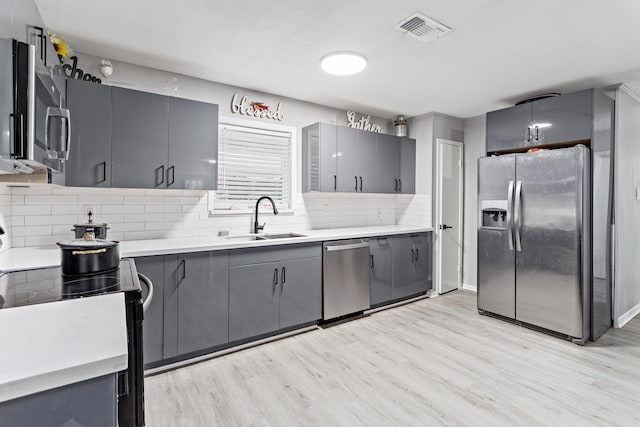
(498,52)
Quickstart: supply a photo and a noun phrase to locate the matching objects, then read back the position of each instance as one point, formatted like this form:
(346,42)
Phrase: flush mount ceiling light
(343,63)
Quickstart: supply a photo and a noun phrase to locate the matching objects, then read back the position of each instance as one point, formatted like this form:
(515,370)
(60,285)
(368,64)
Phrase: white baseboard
(470,288)
(626,317)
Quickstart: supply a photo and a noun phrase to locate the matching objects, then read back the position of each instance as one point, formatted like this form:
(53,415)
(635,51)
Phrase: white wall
(474,148)
(627,207)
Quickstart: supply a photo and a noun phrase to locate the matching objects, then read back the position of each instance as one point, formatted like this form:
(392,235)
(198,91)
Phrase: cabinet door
(407,166)
(348,160)
(89,163)
(563,118)
(367,162)
(140,141)
(328,156)
(253,300)
(152,326)
(203,295)
(422,263)
(300,291)
(380,254)
(193,145)
(508,129)
(172,279)
(411,254)
(387,166)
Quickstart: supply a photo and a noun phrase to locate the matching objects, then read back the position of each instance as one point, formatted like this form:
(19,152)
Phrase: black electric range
(20,288)
(47,285)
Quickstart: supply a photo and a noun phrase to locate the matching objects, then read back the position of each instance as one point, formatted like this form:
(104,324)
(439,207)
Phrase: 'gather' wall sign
(364,123)
(255,109)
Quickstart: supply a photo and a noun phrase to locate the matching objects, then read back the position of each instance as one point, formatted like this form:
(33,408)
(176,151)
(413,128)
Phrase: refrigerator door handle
(509,216)
(518,215)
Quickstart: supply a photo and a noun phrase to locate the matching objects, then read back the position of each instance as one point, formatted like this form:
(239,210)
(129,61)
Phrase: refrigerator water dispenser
(494,214)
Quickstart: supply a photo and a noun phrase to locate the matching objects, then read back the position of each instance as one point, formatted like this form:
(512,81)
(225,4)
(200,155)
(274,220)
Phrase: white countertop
(49,256)
(50,345)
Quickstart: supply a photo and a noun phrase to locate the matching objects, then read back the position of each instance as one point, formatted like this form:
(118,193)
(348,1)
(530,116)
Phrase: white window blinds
(252,162)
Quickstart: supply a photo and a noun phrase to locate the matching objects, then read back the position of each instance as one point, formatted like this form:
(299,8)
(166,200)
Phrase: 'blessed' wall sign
(255,109)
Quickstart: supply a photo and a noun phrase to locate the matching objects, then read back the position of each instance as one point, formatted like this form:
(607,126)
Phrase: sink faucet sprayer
(256,226)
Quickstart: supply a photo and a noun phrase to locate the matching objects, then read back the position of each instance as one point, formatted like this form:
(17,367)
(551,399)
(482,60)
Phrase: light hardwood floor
(433,362)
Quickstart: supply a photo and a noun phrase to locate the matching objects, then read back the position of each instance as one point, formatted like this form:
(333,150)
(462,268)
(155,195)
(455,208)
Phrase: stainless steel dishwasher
(345,278)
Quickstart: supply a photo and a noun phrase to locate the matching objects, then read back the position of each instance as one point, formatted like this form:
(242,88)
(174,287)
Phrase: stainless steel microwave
(35,128)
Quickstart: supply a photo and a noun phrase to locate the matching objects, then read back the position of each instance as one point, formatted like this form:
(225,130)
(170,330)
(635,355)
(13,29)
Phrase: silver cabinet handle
(400,186)
(346,247)
(518,215)
(283,275)
(509,216)
(275,276)
(396,180)
(356,182)
(361,184)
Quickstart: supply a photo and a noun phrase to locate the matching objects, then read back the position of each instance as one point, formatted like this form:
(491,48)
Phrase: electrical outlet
(89,209)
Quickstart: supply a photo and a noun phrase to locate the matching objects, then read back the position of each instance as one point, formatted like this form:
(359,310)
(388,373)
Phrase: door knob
(445,226)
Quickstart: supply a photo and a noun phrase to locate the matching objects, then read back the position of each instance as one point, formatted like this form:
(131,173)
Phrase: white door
(448,223)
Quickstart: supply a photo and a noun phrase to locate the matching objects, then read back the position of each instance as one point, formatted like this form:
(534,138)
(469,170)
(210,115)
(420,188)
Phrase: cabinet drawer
(274,253)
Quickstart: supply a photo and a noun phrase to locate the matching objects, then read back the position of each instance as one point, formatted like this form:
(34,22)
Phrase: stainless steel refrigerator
(534,240)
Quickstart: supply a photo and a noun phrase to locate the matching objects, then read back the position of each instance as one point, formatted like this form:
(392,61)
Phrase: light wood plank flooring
(433,362)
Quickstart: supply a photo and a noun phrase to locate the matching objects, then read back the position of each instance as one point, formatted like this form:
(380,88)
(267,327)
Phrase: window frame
(293,161)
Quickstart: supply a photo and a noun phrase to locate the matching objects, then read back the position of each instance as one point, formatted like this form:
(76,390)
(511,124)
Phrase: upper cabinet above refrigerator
(547,122)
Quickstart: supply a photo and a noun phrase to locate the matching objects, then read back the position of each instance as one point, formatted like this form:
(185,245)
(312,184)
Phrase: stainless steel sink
(252,237)
(281,236)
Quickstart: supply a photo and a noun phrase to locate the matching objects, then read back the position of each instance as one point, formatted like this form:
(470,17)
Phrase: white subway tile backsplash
(43,215)
(31,210)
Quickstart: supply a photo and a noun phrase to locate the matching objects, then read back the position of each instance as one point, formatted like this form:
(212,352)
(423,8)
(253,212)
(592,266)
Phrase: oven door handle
(147,301)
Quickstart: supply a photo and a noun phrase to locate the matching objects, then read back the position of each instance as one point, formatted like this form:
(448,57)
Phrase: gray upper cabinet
(555,120)
(131,139)
(562,119)
(193,145)
(319,155)
(407,184)
(348,157)
(508,129)
(388,163)
(140,142)
(342,159)
(89,163)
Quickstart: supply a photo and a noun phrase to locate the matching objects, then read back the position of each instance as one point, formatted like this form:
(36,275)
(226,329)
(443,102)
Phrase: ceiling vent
(422,27)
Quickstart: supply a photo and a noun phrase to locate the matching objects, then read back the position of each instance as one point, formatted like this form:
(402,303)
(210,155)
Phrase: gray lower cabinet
(273,288)
(89,163)
(139,139)
(401,266)
(254,300)
(380,264)
(92,402)
(152,325)
(189,311)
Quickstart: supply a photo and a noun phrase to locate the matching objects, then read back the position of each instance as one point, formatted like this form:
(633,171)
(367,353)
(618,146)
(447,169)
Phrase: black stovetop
(20,288)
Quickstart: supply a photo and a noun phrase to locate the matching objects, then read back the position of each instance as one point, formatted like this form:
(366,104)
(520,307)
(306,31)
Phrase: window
(252,162)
